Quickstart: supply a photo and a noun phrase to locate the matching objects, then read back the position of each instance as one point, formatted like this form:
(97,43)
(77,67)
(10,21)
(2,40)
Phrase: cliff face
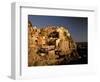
(50,46)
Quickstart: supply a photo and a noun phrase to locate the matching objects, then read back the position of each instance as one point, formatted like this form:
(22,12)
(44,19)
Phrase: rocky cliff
(51,45)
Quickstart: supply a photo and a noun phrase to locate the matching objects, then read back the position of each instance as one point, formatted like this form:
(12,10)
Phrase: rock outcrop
(50,45)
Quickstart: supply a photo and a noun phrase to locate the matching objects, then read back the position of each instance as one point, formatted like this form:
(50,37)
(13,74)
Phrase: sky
(77,26)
